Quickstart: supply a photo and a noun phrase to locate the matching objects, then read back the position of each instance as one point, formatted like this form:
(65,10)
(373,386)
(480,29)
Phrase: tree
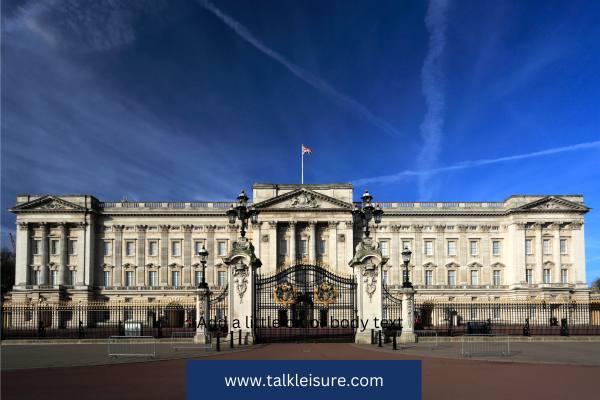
(7,270)
(596,285)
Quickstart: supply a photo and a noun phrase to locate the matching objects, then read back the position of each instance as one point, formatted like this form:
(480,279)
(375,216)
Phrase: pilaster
(45,251)
(312,242)
(23,256)
(141,255)
(63,267)
(163,278)
(118,255)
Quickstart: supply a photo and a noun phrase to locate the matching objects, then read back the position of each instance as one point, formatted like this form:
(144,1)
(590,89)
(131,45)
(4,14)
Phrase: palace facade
(76,247)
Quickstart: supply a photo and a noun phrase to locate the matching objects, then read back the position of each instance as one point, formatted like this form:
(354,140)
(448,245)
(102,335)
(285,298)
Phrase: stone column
(517,234)
(312,242)
(272,246)
(293,255)
(332,256)
(349,234)
(118,255)
(408,312)
(577,253)
(83,260)
(45,254)
(163,278)
(186,279)
(539,253)
(418,250)
(63,267)
(395,250)
(210,246)
(23,256)
(141,255)
(256,237)
(556,252)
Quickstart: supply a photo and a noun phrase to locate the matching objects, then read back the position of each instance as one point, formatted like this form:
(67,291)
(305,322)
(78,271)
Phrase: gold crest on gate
(284,294)
(325,294)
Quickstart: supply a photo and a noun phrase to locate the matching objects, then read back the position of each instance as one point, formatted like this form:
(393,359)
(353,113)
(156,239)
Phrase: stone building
(76,247)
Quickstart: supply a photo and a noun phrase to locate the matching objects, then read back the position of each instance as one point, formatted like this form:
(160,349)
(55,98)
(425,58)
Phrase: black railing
(539,318)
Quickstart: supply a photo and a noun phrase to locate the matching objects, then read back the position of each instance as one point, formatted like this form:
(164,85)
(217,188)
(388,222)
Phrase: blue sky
(191,100)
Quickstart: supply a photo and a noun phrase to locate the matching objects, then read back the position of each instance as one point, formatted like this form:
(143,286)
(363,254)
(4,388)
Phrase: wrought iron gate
(304,303)
(391,308)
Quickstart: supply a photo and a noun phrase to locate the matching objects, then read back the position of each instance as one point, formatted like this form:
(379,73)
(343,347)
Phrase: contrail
(299,72)
(469,164)
(431,86)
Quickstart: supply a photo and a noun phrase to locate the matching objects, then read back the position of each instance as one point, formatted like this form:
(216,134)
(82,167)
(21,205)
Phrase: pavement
(570,372)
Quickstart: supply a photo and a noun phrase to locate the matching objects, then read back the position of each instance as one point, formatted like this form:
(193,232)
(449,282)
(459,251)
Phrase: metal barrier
(430,335)
(485,345)
(185,340)
(131,346)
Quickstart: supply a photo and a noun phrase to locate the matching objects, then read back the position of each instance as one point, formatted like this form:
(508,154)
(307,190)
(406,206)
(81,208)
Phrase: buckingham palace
(78,247)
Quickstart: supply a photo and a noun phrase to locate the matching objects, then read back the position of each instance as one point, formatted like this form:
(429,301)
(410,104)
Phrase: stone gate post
(242,264)
(367,264)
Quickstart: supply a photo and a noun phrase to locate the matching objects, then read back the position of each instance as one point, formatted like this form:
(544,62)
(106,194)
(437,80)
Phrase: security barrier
(131,346)
(485,345)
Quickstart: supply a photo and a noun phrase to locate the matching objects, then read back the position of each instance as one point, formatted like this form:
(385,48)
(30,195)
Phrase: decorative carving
(284,294)
(576,225)
(332,225)
(341,238)
(417,228)
(462,228)
(118,228)
(53,205)
(264,238)
(475,265)
(485,228)
(240,278)
(141,228)
(23,225)
(304,200)
(452,265)
(440,228)
(187,228)
(369,273)
(325,294)
(164,228)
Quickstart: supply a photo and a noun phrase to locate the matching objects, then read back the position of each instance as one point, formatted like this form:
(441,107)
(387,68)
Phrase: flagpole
(302,152)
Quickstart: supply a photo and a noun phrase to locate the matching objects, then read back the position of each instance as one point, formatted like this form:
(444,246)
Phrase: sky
(440,100)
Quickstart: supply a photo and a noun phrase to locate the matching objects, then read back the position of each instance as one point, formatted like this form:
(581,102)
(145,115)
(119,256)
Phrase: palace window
(528,246)
(283,247)
(428,247)
(198,277)
(546,275)
(546,244)
(107,279)
(130,248)
(322,247)
(222,279)
(153,278)
(54,247)
(107,248)
(496,312)
(474,247)
(176,248)
(129,282)
(72,247)
(175,282)
(496,277)
(428,277)
(563,246)
(474,277)
(564,276)
(73,277)
(529,276)
(153,248)
(127,314)
(36,247)
(221,248)
(302,248)
(452,278)
(406,245)
(384,277)
(451,247)
(496,247)
(384,246)
(54,278)
(198,246)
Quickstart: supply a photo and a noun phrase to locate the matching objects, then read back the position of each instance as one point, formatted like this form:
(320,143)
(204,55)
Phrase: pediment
(552,204)
(429,265)
(452,265)
(48,204)
(303,199)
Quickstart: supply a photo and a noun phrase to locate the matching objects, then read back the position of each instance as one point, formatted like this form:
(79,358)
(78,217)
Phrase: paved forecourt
(446,378)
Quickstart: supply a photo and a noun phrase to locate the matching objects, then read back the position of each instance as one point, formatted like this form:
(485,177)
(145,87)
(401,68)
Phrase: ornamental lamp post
(242,212)
(203,254)
(406,253)
(367,212)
